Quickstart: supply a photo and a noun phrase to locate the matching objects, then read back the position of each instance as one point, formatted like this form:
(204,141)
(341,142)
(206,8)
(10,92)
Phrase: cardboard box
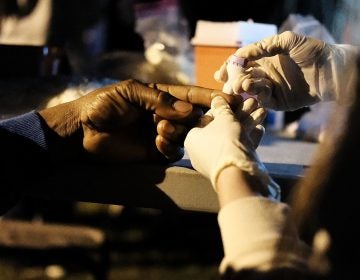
(214,42)
(208,59)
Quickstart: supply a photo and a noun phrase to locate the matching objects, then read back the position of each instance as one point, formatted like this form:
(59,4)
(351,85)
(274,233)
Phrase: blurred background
(52,51)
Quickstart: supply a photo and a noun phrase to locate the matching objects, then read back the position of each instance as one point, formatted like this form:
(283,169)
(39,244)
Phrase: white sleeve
(338,73)
(258,233)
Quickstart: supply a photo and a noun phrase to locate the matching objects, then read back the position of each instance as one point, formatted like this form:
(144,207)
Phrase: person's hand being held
(130,121)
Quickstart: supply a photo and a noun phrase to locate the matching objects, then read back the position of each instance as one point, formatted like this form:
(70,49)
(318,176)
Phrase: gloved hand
(129,121)
(289,71)
(230,140)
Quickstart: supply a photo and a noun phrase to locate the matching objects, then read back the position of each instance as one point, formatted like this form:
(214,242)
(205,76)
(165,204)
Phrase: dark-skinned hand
(131,121)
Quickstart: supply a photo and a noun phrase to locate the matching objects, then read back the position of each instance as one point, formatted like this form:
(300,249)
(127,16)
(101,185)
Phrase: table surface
(177,186)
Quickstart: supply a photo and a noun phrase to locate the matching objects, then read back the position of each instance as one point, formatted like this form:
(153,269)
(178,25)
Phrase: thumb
(219,107)
(282,43)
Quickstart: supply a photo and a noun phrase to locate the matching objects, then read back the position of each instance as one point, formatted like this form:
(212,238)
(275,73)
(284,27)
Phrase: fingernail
(182,106)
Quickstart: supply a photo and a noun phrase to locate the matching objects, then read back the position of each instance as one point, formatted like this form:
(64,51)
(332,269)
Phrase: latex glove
(117,123)
(225,142)
(289,71)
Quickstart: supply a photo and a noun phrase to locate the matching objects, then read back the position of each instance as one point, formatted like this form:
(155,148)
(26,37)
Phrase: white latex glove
(289,71)
(225,142)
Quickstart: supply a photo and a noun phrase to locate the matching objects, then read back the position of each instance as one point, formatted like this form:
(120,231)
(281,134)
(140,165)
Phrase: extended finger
(255,118)
(155,100)
(194,94)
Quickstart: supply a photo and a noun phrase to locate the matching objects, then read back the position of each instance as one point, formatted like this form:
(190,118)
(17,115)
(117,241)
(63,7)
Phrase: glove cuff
(268,188)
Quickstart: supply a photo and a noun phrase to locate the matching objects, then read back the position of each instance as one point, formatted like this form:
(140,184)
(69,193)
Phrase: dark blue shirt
(25,149)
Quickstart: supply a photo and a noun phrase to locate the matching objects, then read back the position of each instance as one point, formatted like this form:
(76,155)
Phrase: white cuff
(252,229)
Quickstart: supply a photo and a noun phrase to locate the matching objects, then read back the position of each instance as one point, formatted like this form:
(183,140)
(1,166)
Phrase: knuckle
(128,82)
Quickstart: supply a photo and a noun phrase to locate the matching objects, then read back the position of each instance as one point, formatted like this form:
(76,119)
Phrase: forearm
(233,183)
(257,233)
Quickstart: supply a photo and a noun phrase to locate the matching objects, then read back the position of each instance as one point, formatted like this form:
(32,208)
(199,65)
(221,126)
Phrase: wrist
(234,183)
(66,131)
(63,119)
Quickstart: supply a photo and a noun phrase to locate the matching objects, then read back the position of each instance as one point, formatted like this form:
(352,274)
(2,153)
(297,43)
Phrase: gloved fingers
(257,85)
(239,85)
(262,87)
(209,113)
(244,111)
(256,135)
(221,74)
(252,52)
(250,64)
(256,117)
(192,138)
(172,151)
(205,119)
(172,131)
(219,107)
(281,43)
(238,81)
(256,72)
